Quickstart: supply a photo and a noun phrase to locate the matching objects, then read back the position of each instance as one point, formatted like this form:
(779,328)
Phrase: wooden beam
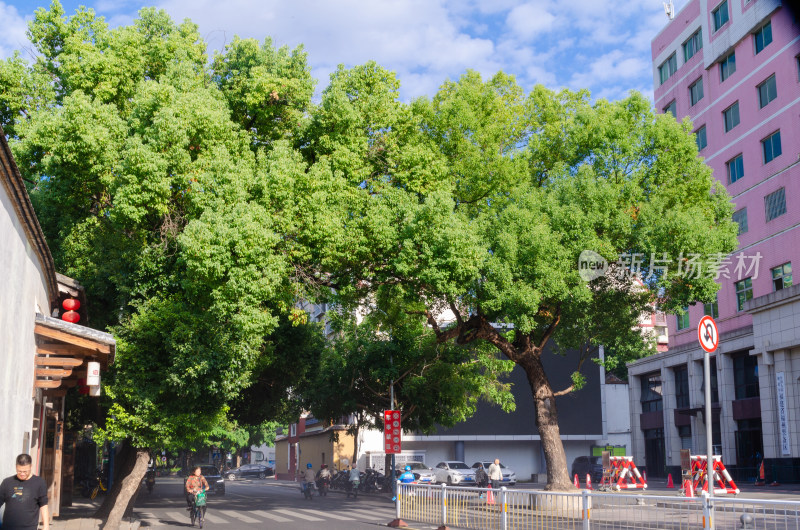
(40,383)
(58,361)
(44,331)
(63,349)
(53,372)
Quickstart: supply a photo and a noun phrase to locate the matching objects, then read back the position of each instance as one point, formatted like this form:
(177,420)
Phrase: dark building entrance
(654,453)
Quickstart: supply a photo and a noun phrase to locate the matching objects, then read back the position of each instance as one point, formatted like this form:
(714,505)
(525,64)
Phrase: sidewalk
(79,517)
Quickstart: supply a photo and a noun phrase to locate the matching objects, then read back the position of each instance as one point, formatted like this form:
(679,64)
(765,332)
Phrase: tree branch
(550,330)
(565,391)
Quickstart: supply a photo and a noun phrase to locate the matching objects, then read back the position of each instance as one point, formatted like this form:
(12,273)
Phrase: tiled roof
(76,329)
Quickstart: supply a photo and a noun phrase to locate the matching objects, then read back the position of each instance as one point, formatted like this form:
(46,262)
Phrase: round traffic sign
(707,334)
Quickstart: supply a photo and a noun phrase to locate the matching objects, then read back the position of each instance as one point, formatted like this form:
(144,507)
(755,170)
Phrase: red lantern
(71,304)
(71,316)
(82,388)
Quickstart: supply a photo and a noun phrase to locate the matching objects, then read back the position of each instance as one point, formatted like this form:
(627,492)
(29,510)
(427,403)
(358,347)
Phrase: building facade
(41,355)
(733,68)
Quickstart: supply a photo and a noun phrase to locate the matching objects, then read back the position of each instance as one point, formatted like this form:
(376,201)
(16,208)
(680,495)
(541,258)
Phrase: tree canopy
(201,200)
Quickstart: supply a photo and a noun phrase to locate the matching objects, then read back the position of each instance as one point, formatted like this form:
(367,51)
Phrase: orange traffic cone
(761,481)
(589,481)
(489,496)
(644,473)
(688,488)
(577,484)
(705,485)
(670,484)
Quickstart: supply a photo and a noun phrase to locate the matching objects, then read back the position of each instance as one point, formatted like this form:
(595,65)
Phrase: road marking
(151,519)
(331,515)
(267,515)
(298,515)
(216,518)
(181,517)
(242,517)
(371,514)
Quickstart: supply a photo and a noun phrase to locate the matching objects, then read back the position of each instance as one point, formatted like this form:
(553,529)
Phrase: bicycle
(198,509)
(98,487)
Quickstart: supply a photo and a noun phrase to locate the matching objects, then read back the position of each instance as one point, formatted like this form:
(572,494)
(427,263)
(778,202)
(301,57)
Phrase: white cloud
(612,67)
(12,36)
(530,20)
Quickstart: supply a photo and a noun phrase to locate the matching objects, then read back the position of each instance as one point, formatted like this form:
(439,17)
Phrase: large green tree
(161,184)
(471,209)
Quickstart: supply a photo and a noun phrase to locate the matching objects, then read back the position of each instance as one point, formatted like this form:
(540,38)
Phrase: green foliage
(153,196)
(434,384)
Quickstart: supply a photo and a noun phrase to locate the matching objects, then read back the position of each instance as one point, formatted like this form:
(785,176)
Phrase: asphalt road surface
(262,504)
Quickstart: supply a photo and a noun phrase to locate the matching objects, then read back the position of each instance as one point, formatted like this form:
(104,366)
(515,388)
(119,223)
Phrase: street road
(263,504)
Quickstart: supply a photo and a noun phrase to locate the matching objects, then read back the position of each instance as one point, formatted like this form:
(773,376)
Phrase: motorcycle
(323,485)
(307,488)
(150,481)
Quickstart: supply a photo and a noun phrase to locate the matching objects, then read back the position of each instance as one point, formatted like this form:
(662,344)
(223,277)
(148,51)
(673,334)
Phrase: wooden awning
(63,351)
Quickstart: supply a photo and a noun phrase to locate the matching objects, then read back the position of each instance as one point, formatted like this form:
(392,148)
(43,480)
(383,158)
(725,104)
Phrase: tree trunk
(354,462)
(132,466)
(128,488)
(547,424)
(125,460)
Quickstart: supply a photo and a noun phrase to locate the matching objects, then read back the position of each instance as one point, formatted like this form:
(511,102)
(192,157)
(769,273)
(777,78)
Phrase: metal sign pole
(709,445)
(708,336)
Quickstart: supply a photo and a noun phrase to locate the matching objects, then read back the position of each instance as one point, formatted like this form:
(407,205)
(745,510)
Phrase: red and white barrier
(719,475)
(625,474)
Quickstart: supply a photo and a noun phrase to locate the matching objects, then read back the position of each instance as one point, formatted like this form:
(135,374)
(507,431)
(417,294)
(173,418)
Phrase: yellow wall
(281,456)
(313,446)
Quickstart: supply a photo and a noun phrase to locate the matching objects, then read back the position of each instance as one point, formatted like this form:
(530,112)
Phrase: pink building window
(763,37)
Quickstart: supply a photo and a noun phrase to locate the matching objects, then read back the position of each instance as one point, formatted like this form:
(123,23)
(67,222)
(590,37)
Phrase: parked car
(509,475)
(423,473)
(216,484)
(454,472)
(584,465)
(249,470)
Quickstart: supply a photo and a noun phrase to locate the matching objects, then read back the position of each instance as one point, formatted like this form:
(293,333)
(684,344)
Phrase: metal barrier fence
(487,509)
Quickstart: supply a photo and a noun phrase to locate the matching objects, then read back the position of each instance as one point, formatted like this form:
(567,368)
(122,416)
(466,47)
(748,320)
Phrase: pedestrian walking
(481,479)
(25,498)
(495,473)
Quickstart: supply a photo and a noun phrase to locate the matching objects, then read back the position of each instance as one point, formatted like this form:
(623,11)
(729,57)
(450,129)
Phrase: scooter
(150,481)
(307,488)
(323,485)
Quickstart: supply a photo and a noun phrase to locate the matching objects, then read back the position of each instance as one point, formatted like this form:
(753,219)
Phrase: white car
(425,474)
(453,472)
(509,476)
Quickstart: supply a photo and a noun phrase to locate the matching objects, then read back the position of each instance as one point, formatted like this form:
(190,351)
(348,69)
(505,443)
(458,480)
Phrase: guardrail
(504,509)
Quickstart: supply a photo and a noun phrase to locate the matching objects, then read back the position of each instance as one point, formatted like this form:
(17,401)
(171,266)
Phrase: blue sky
(601,45)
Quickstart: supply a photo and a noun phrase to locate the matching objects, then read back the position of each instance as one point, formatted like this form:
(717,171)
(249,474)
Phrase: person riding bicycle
(194,485)
(407,477)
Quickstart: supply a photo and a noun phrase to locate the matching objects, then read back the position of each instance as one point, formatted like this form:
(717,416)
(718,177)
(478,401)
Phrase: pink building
(733,68)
